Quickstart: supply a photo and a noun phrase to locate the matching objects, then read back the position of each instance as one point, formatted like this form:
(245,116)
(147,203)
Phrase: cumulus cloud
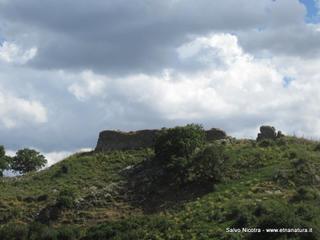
(16,111)
(118,37)
(12,53)
(89,85)
(241,88)
(226,89)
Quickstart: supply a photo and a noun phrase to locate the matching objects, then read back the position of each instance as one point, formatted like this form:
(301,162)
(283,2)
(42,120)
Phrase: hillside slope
(111,195)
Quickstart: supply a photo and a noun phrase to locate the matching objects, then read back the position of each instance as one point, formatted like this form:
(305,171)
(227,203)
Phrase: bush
(209,164)
(275,215)
(266,143)
(179,142)
(27,160)
(175,147)
(4,161)
(132,229)
(14,231)
(317,147)
(68,233)
(66,199)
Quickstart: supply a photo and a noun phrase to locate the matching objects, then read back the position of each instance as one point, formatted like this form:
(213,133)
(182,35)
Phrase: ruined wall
(117,140)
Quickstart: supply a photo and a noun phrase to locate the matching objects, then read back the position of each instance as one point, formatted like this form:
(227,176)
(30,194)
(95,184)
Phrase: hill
(120,194)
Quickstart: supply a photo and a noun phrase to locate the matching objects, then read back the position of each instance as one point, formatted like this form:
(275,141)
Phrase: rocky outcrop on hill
(215,134)
(268,132)
(117,140)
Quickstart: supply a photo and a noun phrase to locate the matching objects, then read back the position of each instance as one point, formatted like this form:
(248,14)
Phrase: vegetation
(4,160)
(27,160)
(222,186)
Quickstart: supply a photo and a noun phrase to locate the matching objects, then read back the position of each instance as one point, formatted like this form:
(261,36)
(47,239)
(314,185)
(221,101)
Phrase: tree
(4,160)
(179,142)
(27,160)
(175,147)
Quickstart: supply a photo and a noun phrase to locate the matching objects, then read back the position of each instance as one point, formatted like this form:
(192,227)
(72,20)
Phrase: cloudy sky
(69,69)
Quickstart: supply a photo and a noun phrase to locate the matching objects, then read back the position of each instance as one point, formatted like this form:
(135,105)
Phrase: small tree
(179,142)
(210,164)
(4,160)
(175,147)
(27,160)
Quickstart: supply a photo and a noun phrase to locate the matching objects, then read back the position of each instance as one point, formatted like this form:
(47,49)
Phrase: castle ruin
(117,140)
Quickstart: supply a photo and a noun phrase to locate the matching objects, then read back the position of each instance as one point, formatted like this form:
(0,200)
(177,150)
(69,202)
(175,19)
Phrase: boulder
(116,140)
(268,132)
(215,134)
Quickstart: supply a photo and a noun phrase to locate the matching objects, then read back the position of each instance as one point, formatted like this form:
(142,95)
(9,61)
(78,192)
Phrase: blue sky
(312,10)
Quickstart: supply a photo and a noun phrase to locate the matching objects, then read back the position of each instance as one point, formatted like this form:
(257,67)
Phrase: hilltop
(272,182)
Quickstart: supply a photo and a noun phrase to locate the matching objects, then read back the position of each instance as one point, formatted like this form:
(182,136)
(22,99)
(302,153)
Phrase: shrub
(68,233)
(48,234)
(49,214)
(209,164)
(133,228)
(66,199)
(4,161)
(175,147)
(305,194)
(14,231)
(275,215)
(266,143)
(179,142)
(317,147)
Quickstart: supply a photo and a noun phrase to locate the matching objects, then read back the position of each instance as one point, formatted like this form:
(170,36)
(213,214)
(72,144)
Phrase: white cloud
(209,92)
(240,89)
(15,111)
(89,85)
(57,156)
(12,53)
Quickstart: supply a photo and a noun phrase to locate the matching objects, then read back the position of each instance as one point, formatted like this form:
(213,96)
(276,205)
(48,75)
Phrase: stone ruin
(117,140)
(268,132)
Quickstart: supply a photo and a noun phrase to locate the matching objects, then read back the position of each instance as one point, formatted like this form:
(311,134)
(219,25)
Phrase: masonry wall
(117,140)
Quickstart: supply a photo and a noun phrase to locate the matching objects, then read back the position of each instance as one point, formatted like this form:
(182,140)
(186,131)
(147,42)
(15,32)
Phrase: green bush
(66,199)
(266,143)
(143,228)
(4,160)
(178,142)
(68,233)
(14,231)
(276,215)
(209,164)
(175,147)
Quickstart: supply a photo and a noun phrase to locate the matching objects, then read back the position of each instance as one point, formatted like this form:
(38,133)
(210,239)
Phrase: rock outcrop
(215,134)
(117,140)
(268,132)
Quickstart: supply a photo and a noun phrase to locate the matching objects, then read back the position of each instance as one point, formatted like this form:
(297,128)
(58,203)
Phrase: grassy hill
(114,195)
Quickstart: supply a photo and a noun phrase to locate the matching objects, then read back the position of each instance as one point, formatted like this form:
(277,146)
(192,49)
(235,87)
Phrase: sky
(69,69)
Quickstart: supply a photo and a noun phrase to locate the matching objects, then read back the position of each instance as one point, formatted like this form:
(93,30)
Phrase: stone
(280,134)
(267,132)
(116,140)
(215,134)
